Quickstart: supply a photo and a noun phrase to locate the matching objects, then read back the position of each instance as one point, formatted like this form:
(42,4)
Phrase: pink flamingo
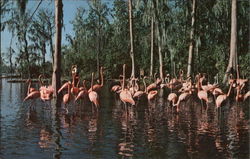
(67,97)
(182,97)
(138,94)
(64,86)
(30,89)
(117,88)
(152,94)
(93,96)
(241,97)
(125,95)
(74,90)
(223,97)
(172,98)
(32,95)
(202,94)
(98,87)
(46,92)
(82,91)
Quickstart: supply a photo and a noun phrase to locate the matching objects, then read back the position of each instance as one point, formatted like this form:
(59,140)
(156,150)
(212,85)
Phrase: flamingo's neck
(69,89)
(228,93)
(29,88)
(92,81)
(123,78)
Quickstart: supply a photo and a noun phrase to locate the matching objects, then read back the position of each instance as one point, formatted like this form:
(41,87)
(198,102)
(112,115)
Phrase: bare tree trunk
(161,62)
(191,45)
(233,61)
(131,38)
(26,53)
(152,47)
(52,50)
(43,52)
(56,81)
(10,54)
(99,44)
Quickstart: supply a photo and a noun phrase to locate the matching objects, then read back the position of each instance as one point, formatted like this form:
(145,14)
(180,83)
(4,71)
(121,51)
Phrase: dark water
(150,131)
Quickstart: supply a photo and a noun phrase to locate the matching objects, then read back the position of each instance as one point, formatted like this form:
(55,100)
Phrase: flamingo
(97,87)
(152,94)
(240,82)
(182,97)
(82,91)
(125,95)
(74,90)
(138,94)
(172,97)
(66,97)
(153,86)
(223,97)
(117,88)
(93,96)
(30,89)
(216,92)
(64,86)
(241,97)
(32,95)
(202,94)
(46,92)
(83,86)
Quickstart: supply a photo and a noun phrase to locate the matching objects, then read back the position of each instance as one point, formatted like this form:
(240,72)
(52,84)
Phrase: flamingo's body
(30,89)
(223,97)
(217,91)
(64,86)
(182,97)
(46,92)
(32,95)
(66,97)
(97,87)
(81,94)
(125,94)
(172,97)
(139,94)
(202,95)
(116,88)
(93,96)
(126,97)
(152,94)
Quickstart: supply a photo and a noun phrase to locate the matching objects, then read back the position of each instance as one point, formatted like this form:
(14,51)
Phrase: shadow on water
(36,129)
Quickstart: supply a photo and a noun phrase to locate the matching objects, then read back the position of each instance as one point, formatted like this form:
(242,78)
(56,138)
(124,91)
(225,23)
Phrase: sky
(69,11)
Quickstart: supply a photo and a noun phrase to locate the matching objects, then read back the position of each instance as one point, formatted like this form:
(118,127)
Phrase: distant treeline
(164,31)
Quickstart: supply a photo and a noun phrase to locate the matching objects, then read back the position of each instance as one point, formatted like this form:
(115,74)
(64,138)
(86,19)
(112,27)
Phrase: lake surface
(38,130)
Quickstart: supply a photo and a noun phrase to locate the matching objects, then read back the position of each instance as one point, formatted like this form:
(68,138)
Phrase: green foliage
(102,32)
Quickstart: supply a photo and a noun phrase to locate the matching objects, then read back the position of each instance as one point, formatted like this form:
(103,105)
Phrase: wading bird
(93,96)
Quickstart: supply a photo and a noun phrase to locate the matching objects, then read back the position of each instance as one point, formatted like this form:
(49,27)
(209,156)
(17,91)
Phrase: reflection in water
(148,130)
(45,139)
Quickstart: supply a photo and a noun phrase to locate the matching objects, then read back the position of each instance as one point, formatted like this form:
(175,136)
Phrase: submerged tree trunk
(131,38)
(233,61)
(191,45)
(152,48)
(56,81)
